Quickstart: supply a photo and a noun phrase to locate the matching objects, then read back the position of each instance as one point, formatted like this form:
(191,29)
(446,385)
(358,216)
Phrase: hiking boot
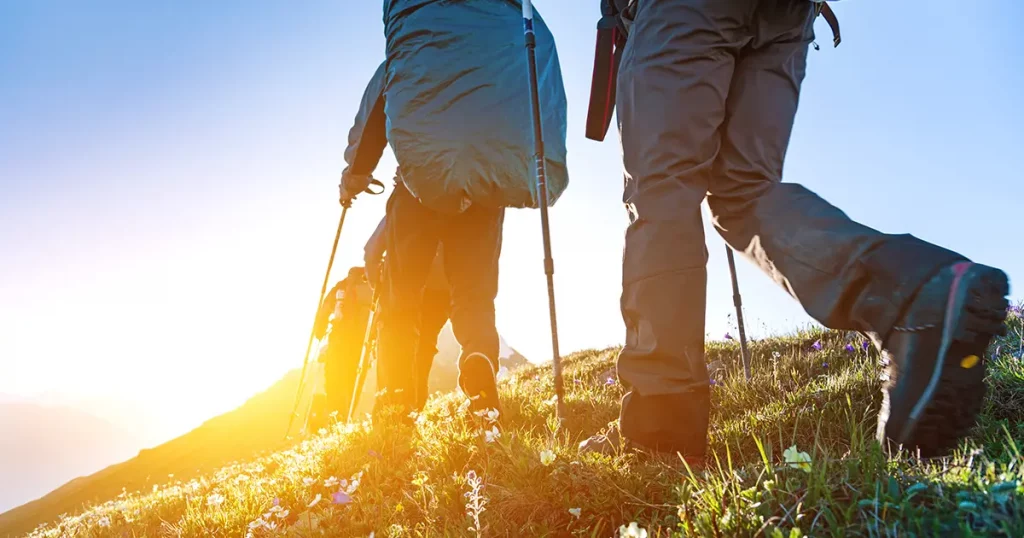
(612,443)
(477,378)
(936,374)
(670,423)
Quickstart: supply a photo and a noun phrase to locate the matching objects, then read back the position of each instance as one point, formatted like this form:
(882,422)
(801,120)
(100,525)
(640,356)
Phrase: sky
(168,176)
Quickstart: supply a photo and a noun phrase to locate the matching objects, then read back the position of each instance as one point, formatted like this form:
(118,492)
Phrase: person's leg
(845,275)
(434,314)
(411,245)
(675,74)
(340,372)
(472,246)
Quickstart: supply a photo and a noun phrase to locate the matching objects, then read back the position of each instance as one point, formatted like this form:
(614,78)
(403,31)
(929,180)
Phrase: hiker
(459,121)
(412,235)
(342,320)
(434,309)
(707,94)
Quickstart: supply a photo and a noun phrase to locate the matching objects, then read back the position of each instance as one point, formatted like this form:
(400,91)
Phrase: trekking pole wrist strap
(375,183)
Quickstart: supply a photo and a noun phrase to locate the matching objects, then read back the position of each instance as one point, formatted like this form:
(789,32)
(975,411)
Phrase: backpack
(457,101)
(612,31)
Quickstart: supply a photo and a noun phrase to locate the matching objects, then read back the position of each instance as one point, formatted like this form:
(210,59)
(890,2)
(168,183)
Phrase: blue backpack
(457,101)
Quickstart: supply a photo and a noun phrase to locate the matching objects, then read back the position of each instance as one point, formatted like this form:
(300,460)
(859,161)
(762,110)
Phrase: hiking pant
(707,94)
(472,245)
(434,312)
(340,371)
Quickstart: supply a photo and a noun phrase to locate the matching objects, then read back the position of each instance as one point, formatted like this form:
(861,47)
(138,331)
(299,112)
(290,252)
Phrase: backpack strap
(610,41)
(825,11)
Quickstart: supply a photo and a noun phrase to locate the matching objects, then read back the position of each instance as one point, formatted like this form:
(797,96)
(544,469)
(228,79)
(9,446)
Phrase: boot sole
(948,408)
(479,383)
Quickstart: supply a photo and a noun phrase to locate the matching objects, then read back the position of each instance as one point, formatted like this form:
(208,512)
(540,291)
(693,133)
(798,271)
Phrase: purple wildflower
(277,502)
(849,348)
(728,336)
(816,345)
(824,365)
(713,382)
(864,345)
(340,497)
(610,381)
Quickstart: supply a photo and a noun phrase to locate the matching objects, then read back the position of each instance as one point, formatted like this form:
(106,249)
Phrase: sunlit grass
(792,455)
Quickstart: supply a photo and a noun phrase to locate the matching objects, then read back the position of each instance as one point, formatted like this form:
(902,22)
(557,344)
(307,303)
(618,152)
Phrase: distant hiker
(707,94)
(458,119)
(342,320)
(434,310)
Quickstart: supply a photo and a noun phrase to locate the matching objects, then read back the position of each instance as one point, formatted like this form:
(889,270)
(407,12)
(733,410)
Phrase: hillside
(255,427)
(34,455)
(445,475)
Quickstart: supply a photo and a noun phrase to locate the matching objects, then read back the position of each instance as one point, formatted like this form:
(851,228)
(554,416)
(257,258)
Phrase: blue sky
(168,178)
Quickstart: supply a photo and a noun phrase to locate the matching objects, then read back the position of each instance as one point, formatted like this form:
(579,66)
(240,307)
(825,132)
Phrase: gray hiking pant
(707,94)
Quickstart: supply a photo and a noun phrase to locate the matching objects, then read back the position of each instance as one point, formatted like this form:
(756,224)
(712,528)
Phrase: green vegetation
(450,475)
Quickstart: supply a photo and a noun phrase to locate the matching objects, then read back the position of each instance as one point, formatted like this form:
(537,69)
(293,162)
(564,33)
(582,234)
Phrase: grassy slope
(413,481)
(256,426)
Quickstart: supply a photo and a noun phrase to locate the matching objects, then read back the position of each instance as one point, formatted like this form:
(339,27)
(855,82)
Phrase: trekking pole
(364,369)
(542,189)
(738,301)
(312,332)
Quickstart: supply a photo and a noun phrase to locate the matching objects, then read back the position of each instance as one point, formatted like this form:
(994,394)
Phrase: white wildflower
(547,457)
(632,531)
(214,500)
(308,481)
(104,521)
(797,459)
(492,435)
(331,482)
(575,512)
(315,501)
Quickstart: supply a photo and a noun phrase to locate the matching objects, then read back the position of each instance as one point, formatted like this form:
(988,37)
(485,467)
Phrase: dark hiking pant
(434,313)
(472,245)
(707,94)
